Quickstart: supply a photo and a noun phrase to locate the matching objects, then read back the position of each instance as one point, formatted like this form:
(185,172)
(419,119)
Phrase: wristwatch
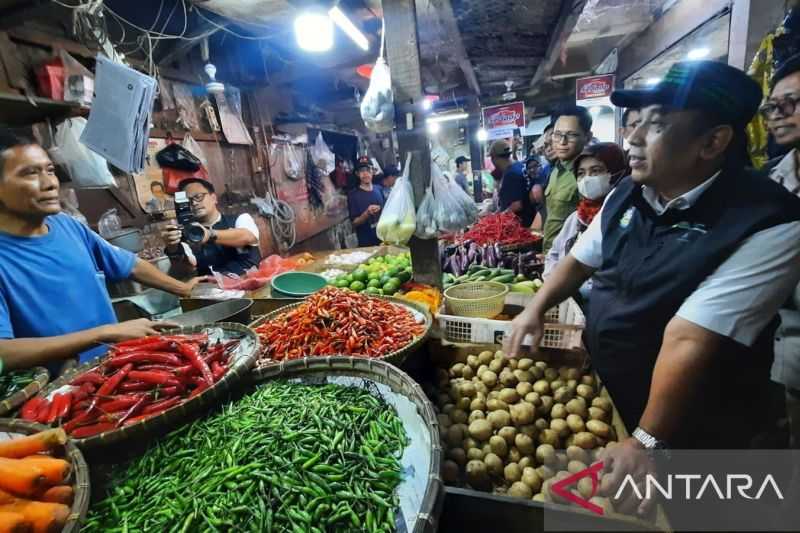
(650,443)
(212,237)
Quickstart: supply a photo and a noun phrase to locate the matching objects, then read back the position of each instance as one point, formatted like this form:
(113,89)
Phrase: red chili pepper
(186,370)
(161,405)
(218,371)
(56,406)
(138,343)
(119,403)
(159,368)
(95,429)
(113,382)
(192,353)
(89,377)
(30,410)
(145,357)
(199,390)
(135,386)
(87,416)
(173,390)
(197,338)
(152,376)
(134,410)
(64,406)
(44,411)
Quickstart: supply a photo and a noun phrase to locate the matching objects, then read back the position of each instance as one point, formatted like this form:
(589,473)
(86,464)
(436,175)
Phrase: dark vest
(651,265)
(225,258)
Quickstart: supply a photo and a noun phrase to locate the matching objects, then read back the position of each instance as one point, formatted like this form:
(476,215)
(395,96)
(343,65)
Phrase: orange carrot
(58,494)
(45,517)
(14,523)
(31,444)
(54,470)
(20,478)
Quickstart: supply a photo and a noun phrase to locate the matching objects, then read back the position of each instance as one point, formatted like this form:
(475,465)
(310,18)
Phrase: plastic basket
(563,328)
(482,299)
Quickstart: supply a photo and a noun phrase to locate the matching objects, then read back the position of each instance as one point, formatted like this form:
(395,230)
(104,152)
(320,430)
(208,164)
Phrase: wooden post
(475,151)
(402,50)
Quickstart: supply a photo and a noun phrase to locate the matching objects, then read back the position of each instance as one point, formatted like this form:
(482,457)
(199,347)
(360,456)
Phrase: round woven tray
(397,357)
(31,389)
(322,369)
(245,357)
(10,427)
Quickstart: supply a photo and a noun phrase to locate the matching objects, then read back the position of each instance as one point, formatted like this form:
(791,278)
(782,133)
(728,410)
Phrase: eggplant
(472,253)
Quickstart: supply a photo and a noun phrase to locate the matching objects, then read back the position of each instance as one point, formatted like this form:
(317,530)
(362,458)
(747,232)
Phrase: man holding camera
(204,238)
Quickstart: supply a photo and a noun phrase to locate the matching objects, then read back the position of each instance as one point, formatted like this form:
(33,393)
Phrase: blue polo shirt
(54,284)
(514,187)
(358,200)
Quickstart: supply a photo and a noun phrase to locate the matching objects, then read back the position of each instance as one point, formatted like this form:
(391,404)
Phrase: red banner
(594,87)
(501,120)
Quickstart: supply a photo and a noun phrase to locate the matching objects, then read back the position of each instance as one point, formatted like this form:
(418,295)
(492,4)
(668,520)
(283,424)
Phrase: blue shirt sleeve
(116,263)
(512,189)
(6,331)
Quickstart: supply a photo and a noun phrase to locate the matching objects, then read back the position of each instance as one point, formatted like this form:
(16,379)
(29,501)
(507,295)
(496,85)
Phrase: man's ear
(717,141)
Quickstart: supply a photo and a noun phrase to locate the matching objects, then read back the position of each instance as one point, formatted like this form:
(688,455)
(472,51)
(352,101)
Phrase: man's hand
(628,458)
(133,329)
(171,235)
(528,322)
(206,233)
(189,286)
(373,210)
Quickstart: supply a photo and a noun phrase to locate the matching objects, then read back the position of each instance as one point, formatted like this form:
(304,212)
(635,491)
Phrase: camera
(183,212)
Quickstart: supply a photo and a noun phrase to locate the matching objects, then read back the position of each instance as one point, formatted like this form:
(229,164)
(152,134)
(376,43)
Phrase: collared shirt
(561,200)
(745,292)
(786,173)
(243,221)
(461,179)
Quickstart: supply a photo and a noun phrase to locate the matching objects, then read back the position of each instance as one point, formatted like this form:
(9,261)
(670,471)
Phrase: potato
(456,370)
(585,440)
(557,384)
(585,487)
(525,363)
(569,441)
(478,475)
(524,444)
(540,498)
(463,404)
(458,455)
(499,418)
(572,385)
(508,433)
(533,398)
(512,364)
(492,395)
(546,454)
(547,403)
(541,364)
(601,429)
(577,406)
(526,461)
(477,404)
(520,490)
(458,416)
(496,405)
(587,380)
(541,423)
(444,420)
(562,372)
(499,354)
(602,403)
(499,445)
(548,436)
(496,365)
(573,467)
(455,436)
(475,454)
(542,387)
(562,394)
(455,390)
(448,408)
(603,503)
(481,370)
(509,396)
(575,423)
(489,378)
(512,472)
(485,357)
(450,472)
(545,472)
(468,372)
(523,414)
(469,442)
(530,430)
(523,376)
(482,389)
(493,464)
(550,374)
(585,391)
(562,461)
(524,388)
(476,415)
(595,413)
(514,455)
(531,478)
(480,430)
(473,362)
(576,453)
(508,379)
(559,425)
(573,374)
(558,411)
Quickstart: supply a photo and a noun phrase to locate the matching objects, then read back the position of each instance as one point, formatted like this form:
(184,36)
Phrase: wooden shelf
(18,110)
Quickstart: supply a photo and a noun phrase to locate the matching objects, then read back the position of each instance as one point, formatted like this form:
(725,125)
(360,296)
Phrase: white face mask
(594,187)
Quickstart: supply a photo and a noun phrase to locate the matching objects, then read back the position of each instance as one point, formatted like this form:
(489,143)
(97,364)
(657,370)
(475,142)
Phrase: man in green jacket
(572,131)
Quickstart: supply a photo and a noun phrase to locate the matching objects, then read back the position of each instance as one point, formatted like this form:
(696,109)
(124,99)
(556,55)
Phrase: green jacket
(561,199)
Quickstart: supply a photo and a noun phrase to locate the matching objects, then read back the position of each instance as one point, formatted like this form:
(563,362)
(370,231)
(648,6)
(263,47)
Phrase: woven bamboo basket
(21,396)
(79,478)
(396,358)
(244,358)
(355,371)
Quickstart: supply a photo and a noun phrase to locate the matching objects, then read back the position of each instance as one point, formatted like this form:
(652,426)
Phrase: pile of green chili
(15,381)
(287,457)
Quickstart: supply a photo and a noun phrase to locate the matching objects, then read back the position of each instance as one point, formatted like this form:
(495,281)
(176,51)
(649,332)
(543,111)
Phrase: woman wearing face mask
(597,170)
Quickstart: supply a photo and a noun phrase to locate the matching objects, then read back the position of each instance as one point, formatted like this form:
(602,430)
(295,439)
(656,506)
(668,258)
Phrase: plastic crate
(563,328)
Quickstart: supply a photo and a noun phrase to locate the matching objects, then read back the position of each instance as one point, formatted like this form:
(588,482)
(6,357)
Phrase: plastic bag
(445,207)
(322,155)
(377,108)
(427,227)
(292,162)
(176,156)
(78,80)
(69,205)
(85,167)
(109,224)
(190,144)
(398,219)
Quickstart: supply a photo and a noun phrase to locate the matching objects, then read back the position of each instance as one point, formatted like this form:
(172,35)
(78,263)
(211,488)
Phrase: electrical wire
(228,30)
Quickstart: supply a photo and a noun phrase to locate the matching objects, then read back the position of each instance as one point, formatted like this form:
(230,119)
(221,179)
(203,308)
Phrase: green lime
(385,279)
(374,283)
(393,272)
(342,284)
(357,286)
(374,275)
(349,279)
(390,288)
(373,291)
(404,276)
(360,275)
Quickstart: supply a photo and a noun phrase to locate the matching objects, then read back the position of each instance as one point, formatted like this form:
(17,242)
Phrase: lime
(374,291)
(404,276)
(374,283)
(374,275)
(360,275)
(385,279)
(342,284)
(393,272)
(357,286)
(389,289)
(349,278)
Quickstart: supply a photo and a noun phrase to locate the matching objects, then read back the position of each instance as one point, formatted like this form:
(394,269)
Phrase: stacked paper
(119,122)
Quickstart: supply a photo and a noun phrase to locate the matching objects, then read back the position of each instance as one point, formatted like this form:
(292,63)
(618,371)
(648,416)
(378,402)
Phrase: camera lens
(193,234)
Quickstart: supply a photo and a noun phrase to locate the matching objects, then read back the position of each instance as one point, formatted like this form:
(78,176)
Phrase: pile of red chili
(503,228)
(338,322)
(139,379)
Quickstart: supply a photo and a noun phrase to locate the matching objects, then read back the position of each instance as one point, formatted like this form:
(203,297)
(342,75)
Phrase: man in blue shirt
(365,203)
(513,195)
(53,301)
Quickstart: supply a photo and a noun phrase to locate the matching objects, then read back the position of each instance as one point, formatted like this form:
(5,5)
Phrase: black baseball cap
(787,68)
(363,162)
(391,170)
(461,159)
(196,179)
(707,85)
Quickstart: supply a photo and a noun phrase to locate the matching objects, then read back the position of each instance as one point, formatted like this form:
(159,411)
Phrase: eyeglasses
(570,136)
(786,106)
(198,198)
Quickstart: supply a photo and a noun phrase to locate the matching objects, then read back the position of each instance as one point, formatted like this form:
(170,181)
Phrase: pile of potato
(516,426)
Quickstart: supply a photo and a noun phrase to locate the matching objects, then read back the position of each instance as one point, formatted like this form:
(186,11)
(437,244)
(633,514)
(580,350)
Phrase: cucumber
(507,278)
(474,268)
(506,271)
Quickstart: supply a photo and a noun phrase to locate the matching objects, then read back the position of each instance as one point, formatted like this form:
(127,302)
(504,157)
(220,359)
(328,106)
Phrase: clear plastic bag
(377,108)
(190,144)
(398,218)
(109,224)
(322,155)
(453,209)
(292,162)
(78,80)
(427,227)
(85,167)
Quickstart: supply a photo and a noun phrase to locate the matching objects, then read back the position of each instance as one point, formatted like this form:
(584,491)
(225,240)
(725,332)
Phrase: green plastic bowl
(297,284)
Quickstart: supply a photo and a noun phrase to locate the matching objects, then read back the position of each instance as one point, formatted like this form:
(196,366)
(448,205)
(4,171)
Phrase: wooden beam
(444,10)
(16,15)
(182,47)
(402,48)
(567,19)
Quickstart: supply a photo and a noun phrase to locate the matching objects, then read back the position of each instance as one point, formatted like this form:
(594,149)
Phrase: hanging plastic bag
(398,218)
(451,212)
(176,156)
(85,167)
(194,148)
(292,162)
(78,80)
(427,227)
(377,108)
(109,224)
(322,155)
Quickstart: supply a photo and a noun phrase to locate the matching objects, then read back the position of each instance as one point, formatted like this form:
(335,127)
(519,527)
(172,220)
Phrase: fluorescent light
(447,118)
(698,53)
(427,104)
(341,20)
(652,81)
(434,128)
(314,31)
(483,135)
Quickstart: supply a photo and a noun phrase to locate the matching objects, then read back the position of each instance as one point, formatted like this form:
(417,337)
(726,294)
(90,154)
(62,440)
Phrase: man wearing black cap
(365,203)
(513,190)
(387,180)
(229,243)
(461,172)
(692,255)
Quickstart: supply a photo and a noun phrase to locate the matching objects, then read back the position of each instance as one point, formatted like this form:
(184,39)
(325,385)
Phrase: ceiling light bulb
(434,128)
(698,53)
(483,135)
(652,81)
(427,104)
(341,20)
(314,31)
